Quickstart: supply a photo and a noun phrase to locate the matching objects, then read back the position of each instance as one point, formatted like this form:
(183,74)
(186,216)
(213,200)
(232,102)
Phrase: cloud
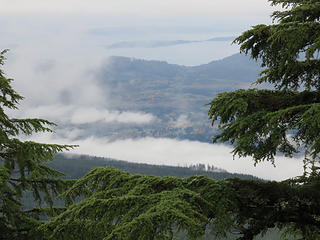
(181,121)
(164,151)
(91,115)
(44,74)
(73,114)
(62,87)
(45,66)
(178,152)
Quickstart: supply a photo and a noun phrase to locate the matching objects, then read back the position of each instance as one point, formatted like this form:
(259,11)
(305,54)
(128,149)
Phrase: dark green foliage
(123,206)
(262,123)
(286,205)
(289,49)
(22,168)
(118,205)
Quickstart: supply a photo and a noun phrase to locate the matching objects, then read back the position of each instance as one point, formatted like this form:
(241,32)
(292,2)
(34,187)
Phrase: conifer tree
(259,123)
(22,169)
(263,123)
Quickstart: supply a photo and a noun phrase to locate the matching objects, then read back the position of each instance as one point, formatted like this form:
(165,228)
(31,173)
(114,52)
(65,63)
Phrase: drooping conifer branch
(23,169)
(118,205)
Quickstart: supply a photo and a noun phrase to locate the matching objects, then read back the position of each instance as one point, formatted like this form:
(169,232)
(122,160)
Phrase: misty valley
(160,120)
(146,99)
(173,96)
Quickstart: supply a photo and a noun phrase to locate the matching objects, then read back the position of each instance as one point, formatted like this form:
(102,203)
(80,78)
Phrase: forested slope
(77,166)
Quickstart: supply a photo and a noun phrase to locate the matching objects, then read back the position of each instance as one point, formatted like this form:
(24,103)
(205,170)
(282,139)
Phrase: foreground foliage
(262,123)
(119,205)
(22,169)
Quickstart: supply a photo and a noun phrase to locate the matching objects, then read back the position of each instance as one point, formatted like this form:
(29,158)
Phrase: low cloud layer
(91,115)
(73,114)
(164,151)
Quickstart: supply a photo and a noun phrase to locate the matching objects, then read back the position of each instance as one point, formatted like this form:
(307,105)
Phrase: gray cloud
(45,65)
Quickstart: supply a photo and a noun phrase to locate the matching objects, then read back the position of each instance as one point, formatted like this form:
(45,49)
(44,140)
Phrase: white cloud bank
(90,115)
(73,114)
(63,88)
(164,151)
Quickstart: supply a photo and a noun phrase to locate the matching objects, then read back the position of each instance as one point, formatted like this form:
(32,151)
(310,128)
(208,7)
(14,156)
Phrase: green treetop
(262,123)
(121,206)
(22,168)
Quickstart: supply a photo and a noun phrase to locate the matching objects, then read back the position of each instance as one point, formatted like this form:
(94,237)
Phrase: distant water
(190,54)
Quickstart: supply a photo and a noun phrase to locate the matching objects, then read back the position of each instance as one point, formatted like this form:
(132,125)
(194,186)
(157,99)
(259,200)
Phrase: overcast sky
(212,15)
(146,8)
(56,46)
(92,25)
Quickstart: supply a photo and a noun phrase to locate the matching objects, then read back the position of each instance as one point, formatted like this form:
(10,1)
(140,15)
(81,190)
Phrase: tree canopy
(263,123)
(118,205)
(22,169)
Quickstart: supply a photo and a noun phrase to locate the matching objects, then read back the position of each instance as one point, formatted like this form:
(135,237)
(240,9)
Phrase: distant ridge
(145,83)
(161,43)
(174,95)
(169,92)
(77,166)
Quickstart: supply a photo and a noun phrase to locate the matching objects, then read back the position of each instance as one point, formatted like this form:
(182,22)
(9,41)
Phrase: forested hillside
(163,89)
(175,96)
(76,166)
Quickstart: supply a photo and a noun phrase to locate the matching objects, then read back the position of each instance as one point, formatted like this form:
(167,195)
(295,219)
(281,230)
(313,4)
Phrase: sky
(56,48)
(92,25)
(161,9)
